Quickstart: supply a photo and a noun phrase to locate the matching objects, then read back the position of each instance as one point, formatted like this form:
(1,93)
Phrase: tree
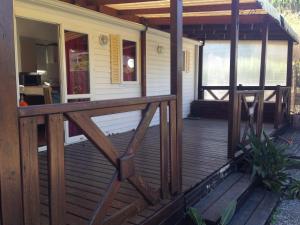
(293,5)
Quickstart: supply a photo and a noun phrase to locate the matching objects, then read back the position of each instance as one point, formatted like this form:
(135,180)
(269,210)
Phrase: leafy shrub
(269,163)
(294,189)
(226,217)
(195,216)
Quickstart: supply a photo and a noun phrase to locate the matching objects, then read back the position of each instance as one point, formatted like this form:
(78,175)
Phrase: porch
(88,173)
(110,179)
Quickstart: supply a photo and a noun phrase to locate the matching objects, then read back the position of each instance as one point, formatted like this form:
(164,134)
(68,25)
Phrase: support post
(233,98)
(200,74)
(176,78)
(144,63)
(10,169)
(262,78)
(289,75)
(263,60)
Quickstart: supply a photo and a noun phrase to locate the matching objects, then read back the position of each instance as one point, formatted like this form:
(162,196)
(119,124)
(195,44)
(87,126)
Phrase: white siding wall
(158,71)
(158,66)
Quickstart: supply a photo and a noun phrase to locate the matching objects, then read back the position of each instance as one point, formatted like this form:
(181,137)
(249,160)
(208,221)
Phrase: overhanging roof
(156,13)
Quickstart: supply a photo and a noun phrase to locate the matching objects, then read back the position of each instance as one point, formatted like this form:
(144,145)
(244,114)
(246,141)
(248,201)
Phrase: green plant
(228,213)
(269,163)
(294,189)
(195,216)
(225,218)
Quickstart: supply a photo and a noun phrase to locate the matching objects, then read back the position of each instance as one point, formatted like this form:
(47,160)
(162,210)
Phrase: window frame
(137,42)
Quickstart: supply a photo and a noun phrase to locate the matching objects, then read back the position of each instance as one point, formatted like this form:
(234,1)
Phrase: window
(77,60)
(129,61)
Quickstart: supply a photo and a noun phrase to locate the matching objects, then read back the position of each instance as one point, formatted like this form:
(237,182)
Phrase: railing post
(278,107)
(30,170)
(176,78)
(260,115)
(56,171)
(233,102)
(11,210)
(164,150)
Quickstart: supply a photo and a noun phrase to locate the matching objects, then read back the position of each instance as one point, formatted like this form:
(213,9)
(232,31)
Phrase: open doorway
(38,62)
(38,66)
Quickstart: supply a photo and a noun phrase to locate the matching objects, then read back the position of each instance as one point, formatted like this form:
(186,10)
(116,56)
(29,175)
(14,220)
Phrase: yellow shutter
(115,59)
(187,61)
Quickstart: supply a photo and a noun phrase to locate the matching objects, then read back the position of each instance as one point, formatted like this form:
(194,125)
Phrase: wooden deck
(88,173)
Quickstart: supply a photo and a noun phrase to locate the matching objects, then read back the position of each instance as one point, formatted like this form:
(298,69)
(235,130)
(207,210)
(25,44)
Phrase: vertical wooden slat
(176,9)
(173,151)
(260,112)
(55,134)
(233,102)
(164,148)
(144,63)
(278,107)
(200,74)
(30,170)
(238,118)
(10,168)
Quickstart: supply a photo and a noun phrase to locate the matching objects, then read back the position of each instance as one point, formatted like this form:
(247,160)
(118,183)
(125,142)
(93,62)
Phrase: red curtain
(77,59)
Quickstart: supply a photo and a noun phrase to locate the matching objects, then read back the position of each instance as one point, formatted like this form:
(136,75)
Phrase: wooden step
(234,188)
(257,209)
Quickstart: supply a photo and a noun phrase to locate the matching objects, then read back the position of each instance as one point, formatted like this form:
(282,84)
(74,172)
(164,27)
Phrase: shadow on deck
(88,173)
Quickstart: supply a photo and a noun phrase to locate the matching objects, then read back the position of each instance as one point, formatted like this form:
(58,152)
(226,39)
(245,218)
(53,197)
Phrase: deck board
(88,173)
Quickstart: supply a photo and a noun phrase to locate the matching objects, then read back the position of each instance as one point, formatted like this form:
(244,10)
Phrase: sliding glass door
(77,76)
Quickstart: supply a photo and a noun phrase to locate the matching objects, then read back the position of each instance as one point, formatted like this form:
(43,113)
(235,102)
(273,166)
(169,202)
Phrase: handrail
(267,88)
(80,114)
(250,92)
(39,110)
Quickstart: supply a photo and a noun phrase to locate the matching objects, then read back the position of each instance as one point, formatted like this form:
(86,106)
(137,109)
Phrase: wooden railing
(270,91)
(282,106)
(251,102)
(53,116)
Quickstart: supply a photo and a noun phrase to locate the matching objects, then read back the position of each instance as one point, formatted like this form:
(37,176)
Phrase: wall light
(160,49)
(103,40)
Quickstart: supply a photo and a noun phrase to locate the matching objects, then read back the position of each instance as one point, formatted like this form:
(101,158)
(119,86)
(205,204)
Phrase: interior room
(38,62)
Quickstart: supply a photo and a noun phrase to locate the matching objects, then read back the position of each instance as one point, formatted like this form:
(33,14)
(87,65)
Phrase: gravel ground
(287,213)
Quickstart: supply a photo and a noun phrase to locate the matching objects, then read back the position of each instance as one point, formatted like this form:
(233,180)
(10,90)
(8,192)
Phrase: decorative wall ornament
(103,40)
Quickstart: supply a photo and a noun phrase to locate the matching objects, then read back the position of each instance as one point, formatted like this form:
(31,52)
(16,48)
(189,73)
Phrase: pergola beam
(187,9)
(244,19)
(110,2)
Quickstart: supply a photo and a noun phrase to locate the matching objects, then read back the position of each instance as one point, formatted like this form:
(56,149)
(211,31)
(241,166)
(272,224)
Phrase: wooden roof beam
(199,8)
(197,20)
(111,2)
